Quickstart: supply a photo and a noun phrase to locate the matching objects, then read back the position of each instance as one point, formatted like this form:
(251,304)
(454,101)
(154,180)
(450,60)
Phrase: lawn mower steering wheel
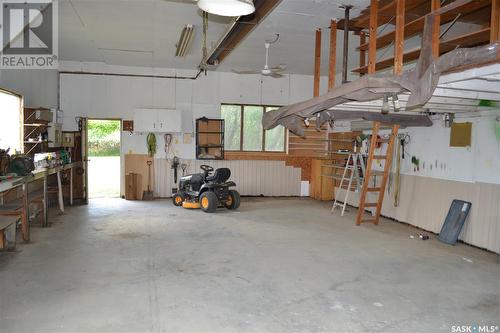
(206,168)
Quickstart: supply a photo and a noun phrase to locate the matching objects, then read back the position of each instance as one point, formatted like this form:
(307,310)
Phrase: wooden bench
(14,211)
(8,227)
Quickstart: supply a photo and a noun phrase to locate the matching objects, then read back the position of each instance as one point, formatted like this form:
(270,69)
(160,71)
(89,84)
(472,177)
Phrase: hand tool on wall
(148,195)
(168,142)
(404,140)
(184,167)
(175,166)
(151,144)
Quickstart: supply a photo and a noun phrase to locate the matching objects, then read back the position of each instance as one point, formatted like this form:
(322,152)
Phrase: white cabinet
(145,120)
(157,120)
(169,121)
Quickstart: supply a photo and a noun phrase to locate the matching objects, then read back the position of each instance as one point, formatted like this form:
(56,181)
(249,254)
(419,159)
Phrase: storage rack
(32,129)
(209,139)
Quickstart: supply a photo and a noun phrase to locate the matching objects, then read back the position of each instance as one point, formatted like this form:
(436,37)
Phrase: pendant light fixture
(227,7)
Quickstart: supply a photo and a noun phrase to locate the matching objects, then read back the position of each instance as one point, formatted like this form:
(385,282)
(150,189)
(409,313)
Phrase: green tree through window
(244,130)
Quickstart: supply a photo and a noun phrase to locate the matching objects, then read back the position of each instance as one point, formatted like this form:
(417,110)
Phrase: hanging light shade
(227,7)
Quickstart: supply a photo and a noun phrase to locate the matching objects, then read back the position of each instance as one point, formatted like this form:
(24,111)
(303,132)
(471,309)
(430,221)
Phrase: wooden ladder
(380,190)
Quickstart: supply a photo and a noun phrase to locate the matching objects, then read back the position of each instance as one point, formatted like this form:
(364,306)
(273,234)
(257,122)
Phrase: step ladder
(351,172)
(376,189)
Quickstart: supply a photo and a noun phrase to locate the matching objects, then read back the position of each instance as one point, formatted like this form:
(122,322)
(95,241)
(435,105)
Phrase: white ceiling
(144,33)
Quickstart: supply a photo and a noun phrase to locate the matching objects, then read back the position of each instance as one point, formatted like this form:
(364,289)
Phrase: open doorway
(104,146)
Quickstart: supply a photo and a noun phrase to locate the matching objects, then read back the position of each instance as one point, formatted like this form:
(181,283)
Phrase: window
(10,127)
(244,131)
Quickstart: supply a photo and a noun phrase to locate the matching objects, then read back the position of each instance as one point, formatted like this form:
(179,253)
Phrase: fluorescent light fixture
(227,7)
(185,41)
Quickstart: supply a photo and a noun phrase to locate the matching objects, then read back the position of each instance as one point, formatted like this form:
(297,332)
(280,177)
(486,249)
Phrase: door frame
(86,152)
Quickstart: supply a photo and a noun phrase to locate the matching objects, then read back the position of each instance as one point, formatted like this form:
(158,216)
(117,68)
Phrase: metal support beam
(345,55)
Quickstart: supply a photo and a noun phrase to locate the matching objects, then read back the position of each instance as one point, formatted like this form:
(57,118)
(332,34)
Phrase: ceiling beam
(239,30)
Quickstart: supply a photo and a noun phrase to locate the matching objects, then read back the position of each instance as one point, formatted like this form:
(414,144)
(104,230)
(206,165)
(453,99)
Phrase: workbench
(20,207)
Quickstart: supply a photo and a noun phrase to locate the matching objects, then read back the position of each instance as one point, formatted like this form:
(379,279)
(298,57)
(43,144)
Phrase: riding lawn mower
(207,191)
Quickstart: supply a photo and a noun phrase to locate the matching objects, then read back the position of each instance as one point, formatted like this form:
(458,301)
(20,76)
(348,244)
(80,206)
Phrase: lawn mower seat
(220,176)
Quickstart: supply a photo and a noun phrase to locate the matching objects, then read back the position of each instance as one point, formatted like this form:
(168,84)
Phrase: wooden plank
(2,239)
(137,163)
(333,54)
(315,185)
(495,21)
(131,186)
(372,50)
(253,156)
(317,63)
(471,39)
(400,37)
(385,13)
(436,28)
(416,26)
(302,162)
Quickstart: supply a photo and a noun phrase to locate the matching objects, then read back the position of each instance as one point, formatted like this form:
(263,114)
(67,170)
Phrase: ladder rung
(368,220)
(371,204)
(380,157)
(376,173)
(383,140)
(373,189)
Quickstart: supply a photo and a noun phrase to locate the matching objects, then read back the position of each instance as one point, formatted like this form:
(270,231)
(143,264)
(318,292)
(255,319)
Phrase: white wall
(38,86)
(478,163)
(101,96)
(471,174)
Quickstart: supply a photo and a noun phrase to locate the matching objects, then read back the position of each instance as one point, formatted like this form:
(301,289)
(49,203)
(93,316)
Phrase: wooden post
(436,29)
(333,54)
(399,37)
(495,21)
(372,47)
(362,51)
(2,239)
(317,63)
(25,223)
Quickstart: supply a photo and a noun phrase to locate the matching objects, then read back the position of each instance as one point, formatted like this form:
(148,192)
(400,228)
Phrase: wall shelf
(209,139)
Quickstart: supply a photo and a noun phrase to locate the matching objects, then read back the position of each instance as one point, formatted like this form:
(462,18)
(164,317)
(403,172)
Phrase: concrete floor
(277,265)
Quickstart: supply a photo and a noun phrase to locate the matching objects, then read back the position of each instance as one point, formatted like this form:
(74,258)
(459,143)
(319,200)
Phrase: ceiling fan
(275,72)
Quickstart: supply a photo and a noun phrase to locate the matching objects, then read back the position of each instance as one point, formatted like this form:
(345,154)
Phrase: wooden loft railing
(475,38)
(409,18)
(416,26)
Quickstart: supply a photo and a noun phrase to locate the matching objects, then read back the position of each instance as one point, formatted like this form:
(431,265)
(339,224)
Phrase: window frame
(242,121)
(21,116)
